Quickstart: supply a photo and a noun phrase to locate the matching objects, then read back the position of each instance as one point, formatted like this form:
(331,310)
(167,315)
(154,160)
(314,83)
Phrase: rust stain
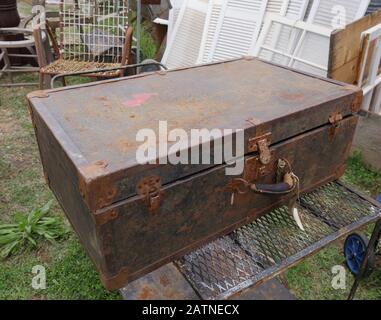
(124,145)
(184,229)
(254,121)
(292,96)
(94,169)
(138,99)
(105,101)
(164,281)
(146,293)
(102,218)
(37,94)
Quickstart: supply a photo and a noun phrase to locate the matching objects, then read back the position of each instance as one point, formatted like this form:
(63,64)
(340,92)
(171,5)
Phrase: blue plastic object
(379,198)
(354,252)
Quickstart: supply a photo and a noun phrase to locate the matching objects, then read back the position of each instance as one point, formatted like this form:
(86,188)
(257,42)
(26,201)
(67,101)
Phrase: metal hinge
(149,189)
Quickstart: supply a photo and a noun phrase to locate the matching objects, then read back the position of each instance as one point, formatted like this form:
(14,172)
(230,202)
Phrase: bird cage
(93,30)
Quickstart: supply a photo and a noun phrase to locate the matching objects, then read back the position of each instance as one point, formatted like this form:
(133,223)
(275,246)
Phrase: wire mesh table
(260,251)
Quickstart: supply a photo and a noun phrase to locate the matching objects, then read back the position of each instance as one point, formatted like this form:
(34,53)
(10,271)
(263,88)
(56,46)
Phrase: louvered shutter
(296,9)
(173,15)
(323,11)
(369,77)
(283,37)
(237,29)
(212,18)
(274,6)
(302,52)
(293,9)
(315,47)
(184,46)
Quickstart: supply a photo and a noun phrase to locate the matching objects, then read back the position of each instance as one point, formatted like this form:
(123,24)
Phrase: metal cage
(93,35)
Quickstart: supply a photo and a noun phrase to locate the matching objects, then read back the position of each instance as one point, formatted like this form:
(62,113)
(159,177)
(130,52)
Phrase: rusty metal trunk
(132,217)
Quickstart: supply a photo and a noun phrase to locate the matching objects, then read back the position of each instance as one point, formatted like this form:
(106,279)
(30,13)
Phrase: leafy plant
(28,229)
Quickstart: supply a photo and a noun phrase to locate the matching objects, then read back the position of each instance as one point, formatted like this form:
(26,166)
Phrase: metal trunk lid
(96,124)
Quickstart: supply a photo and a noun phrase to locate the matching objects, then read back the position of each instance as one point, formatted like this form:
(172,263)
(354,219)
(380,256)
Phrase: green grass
(359,175)
(70,274)
(312,278)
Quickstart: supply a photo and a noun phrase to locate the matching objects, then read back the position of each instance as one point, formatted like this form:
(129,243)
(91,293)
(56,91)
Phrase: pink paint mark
(138,99)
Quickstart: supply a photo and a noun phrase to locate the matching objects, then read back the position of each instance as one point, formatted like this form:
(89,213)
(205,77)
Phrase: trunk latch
(258,166)
(149,189)
(334,119)
(261,144)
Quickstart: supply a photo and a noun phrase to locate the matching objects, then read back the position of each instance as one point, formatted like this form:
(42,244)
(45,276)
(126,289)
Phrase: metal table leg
(370,250)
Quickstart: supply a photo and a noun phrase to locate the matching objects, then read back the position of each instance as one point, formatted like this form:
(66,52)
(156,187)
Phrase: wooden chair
(93,35)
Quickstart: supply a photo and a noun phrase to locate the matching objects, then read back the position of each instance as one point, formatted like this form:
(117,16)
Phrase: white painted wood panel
(184,46)
(302,53)
(237,29)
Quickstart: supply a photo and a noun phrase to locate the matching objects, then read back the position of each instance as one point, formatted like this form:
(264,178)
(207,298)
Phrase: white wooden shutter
(293,9)
(184,46)
(296,9)
(369,78)
(280,36)
(173,15)
(308,52)
(274,6)
(210,29)
(323,11)
(237,29)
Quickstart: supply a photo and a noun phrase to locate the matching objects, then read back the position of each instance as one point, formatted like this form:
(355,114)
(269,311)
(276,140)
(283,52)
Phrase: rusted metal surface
(243,264)
(149,189)
(272,289)
(165,283)
(199,98)
(274,242)
(87,143)
(199,209)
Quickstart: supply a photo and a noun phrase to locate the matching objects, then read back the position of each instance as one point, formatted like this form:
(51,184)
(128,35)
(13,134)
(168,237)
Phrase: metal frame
(370,250)
(95,71)
(89,28)
(247,264)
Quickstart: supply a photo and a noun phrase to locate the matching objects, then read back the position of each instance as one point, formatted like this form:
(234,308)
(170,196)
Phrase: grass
(312,278)
(70,274)
(359,175)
